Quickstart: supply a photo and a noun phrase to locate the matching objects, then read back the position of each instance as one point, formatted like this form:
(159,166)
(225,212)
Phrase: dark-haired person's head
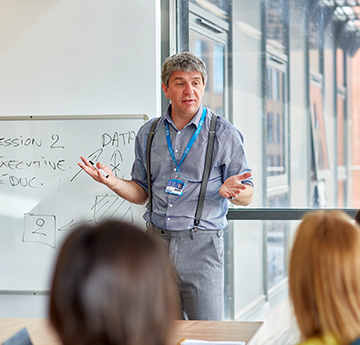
(112,285)
(184,62)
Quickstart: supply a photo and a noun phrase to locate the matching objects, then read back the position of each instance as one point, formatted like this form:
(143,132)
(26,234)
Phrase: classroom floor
(279,327)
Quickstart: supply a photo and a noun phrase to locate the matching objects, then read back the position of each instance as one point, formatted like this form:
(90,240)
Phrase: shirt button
(174,169)
(168,219)
(179,133)
(176,150)
(170,205)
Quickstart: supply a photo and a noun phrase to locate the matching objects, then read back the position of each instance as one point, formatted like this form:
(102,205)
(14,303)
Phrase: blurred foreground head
(112,285)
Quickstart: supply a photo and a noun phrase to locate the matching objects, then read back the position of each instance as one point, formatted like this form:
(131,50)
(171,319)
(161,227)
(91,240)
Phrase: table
(41,332)
(215,330)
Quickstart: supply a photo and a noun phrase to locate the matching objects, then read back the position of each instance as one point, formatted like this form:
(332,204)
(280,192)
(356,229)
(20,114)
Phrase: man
(177,165)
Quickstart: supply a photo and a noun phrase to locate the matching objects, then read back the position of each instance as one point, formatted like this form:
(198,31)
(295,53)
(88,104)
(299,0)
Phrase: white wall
(79,57)
(76,57)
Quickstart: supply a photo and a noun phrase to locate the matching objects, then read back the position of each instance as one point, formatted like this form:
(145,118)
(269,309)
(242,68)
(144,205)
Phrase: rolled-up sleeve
(138,172)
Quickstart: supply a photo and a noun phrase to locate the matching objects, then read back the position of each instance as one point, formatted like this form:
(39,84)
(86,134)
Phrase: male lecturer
(178,155)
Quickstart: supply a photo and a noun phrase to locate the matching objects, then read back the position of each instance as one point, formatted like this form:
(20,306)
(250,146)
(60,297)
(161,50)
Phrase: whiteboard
(44,194)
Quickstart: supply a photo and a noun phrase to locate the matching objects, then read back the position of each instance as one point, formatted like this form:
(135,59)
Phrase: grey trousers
(198,261)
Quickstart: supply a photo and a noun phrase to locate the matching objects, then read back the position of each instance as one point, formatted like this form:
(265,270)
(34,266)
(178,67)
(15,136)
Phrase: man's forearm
(130,191)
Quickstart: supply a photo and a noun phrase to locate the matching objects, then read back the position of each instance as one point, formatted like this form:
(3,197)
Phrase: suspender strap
(206,173)
(148,162)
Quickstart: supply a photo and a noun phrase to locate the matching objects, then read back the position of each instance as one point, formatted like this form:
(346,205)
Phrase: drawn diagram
(40,228)
(106,206)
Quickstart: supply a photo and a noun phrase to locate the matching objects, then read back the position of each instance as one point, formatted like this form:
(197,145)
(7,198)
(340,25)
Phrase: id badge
(175,187)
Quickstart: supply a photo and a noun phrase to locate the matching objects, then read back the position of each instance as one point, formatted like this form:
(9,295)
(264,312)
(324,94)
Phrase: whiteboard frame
(73,117)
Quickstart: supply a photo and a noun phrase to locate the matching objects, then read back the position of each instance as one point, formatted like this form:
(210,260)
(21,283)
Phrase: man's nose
(189,89)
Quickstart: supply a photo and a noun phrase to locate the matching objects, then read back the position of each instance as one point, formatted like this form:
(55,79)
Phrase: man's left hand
(234,188)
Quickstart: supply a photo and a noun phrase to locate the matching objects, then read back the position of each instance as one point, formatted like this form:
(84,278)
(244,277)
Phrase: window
(275,73)
(318,126)
(208,39)
(277,243)
(341,172)
(276,122)
(276,24)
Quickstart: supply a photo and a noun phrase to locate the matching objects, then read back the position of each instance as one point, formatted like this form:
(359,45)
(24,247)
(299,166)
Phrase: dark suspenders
(148,162)
(206,174)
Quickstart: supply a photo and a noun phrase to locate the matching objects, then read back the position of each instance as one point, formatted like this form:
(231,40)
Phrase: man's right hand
(128,190)
(94,171)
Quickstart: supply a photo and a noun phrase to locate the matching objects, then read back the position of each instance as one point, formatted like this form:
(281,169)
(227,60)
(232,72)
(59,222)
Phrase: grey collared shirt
(175,212)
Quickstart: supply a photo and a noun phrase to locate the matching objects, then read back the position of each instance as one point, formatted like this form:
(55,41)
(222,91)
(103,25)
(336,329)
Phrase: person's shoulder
(222,122)
(145,128)
(356,342)
(324,340)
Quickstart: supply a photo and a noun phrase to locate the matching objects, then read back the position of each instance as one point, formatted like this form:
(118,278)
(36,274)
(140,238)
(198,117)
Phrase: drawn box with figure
(40,228)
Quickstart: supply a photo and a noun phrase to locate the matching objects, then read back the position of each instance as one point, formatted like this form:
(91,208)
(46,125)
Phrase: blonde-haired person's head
(324,276)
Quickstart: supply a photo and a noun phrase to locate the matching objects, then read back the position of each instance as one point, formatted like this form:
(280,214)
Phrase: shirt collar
(195,120)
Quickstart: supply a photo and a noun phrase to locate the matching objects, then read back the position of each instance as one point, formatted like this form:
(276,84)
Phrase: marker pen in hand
(102,171)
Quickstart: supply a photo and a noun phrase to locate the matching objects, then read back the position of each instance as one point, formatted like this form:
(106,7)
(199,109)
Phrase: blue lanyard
(190,143)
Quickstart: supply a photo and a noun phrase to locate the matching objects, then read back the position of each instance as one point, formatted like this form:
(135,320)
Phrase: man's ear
(165,89)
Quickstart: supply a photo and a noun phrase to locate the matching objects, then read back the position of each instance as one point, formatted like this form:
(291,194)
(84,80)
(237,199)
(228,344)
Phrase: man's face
(185,91)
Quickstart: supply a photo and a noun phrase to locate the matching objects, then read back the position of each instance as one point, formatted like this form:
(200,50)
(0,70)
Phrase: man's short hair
(185,62)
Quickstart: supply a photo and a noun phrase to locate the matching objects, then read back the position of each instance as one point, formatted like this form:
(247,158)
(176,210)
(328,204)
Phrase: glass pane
(318,128)
(276,24)
(275,148)
(340,132)
(247,261)
(341,194)
(277,243)
(315,39)
(354,131)
(212,53)
(276,251)
(217,7)
(340,80)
